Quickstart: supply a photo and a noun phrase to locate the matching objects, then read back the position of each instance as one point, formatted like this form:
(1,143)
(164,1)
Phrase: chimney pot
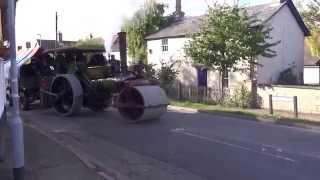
(178,12)
(178,5)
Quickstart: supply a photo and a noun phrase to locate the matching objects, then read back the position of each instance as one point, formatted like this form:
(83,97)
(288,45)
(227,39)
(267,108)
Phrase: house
(288,27)
(51,44)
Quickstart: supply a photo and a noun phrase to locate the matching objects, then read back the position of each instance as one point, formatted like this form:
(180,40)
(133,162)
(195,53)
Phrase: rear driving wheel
(68,90)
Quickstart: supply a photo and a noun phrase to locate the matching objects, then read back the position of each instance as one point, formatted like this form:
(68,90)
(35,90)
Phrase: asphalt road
(184,145)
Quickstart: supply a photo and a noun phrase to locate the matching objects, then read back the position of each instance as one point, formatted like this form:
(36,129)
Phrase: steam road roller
(68,79)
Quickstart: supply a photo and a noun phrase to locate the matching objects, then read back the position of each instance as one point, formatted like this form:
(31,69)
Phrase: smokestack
(178,6)
(123,52)
(179,13)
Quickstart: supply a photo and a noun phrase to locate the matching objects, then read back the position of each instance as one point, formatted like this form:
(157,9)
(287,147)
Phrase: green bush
(167,74)
(150,72)
(240,98)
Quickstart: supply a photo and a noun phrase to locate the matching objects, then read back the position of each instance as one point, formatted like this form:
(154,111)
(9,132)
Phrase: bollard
(295,106)
(270,104)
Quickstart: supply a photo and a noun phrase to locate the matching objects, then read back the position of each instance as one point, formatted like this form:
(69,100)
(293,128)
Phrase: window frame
(226,79)
(165,45)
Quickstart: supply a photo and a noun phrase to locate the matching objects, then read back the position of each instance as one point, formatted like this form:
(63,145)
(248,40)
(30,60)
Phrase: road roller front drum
(141,103)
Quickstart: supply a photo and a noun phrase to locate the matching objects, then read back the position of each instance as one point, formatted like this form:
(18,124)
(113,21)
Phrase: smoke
(120,12)
(77,18)
(80,18)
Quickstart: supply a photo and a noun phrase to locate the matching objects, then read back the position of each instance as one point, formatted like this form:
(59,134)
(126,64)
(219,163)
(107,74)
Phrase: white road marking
(263,152)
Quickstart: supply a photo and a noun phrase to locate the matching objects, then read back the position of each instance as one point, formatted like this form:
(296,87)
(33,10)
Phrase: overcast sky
(79,18)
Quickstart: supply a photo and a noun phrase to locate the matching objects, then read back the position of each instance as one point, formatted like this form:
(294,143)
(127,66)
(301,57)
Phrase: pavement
(184,145)
(47,160)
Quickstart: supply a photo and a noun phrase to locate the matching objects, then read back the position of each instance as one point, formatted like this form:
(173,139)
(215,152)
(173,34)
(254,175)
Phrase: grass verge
(279,117)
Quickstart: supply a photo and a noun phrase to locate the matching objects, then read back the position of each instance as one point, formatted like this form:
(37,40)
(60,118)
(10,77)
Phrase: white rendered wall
(312,75)
(290,51)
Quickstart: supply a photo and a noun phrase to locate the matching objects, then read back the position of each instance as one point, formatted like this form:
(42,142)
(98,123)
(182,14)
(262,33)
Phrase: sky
(80,18)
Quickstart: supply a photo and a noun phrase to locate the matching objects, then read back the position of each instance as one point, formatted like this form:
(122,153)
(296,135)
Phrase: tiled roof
(189,25)
(51,44)
(180,28)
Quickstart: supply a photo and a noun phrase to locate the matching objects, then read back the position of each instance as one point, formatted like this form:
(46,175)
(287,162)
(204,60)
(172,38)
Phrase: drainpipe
(14,122)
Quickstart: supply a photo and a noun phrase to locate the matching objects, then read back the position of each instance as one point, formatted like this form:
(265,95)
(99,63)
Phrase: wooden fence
(194,93)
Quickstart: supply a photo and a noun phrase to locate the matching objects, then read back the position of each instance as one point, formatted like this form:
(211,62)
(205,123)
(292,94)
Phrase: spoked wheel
(68,90)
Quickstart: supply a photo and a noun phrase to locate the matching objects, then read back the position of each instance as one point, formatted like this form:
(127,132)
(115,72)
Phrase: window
(164,45)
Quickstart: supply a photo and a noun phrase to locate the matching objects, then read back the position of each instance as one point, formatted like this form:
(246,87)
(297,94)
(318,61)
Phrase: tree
(146,20)
(230,40)
(93,43)
(311,16)
(256,43)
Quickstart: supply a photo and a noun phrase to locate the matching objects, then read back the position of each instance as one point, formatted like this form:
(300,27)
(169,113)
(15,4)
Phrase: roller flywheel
(69,94)
(141,103)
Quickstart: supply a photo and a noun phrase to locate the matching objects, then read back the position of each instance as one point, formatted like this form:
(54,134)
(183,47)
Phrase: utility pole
(56,44)
(15,122)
